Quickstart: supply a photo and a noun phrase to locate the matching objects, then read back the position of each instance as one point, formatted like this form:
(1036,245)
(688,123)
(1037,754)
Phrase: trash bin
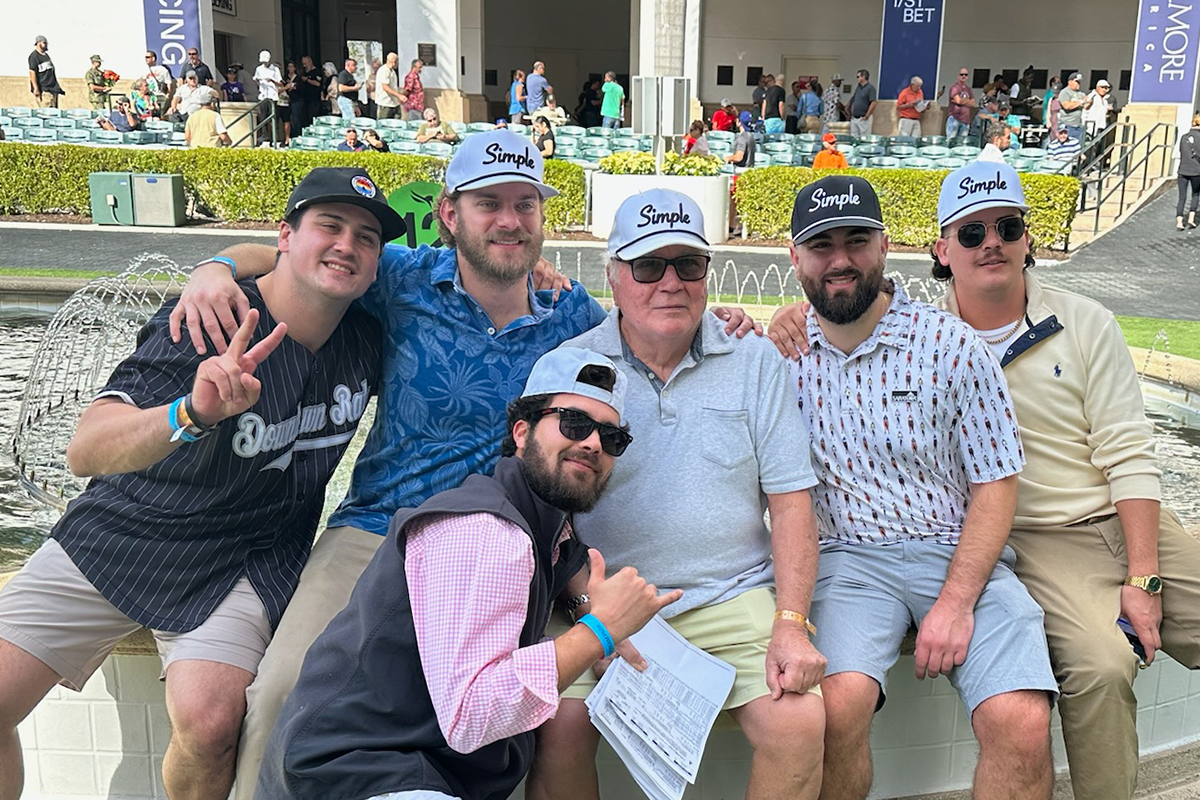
(111,198)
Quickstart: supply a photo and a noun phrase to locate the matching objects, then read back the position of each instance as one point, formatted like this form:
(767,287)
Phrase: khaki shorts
(54,613)
(736,631)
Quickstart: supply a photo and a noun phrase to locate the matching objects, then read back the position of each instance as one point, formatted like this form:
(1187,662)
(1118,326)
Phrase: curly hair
(526,408)
(941,272)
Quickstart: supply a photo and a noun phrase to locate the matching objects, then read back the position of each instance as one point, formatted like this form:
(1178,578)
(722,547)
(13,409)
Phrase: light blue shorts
(867,596)
(773,125)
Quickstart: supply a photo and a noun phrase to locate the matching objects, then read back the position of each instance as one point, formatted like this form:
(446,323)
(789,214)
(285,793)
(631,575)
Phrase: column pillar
(667,39)
(454,84)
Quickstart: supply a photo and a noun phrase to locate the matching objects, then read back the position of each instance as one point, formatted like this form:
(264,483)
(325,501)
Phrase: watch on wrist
(573,603)
(1150,584)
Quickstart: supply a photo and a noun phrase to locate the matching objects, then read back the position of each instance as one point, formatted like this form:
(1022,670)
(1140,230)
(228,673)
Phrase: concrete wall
(255,28)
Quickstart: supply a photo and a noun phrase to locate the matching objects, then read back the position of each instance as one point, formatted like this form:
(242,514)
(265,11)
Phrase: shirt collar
(1035,300)
(894,329)
(445,274)
(710,338)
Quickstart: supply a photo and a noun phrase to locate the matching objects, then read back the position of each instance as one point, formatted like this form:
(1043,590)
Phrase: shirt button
(491,331)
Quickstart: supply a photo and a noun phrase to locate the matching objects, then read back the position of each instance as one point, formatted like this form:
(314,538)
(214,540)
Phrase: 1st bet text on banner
(912,45)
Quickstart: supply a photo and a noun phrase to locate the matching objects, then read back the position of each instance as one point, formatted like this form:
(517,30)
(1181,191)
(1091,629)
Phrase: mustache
(589,458)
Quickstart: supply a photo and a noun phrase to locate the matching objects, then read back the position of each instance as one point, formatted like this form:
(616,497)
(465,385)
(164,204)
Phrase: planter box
(711,193)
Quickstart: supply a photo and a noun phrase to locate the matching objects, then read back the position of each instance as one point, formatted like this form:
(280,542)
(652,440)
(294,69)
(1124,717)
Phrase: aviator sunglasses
(651,269)
(1009,229)
(577,426)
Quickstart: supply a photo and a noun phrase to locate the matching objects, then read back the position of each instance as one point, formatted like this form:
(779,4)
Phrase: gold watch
(1150,584)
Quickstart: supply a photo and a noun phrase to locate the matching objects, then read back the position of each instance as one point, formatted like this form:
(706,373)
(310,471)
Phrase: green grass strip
(1180,337)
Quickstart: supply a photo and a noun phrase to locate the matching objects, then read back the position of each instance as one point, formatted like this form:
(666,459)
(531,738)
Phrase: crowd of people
(917,467)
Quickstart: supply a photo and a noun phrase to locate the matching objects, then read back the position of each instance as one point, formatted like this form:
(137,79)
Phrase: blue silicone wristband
(229,262)
(597,627)
(178,431)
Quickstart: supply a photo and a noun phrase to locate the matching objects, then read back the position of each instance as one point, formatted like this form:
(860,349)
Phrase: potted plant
(623,175)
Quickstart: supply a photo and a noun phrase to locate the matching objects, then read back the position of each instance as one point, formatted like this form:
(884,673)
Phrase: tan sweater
(1087,441)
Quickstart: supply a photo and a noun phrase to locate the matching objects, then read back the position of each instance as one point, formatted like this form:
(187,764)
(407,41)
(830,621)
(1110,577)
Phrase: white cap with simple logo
(653,219)
(495,157)
(977,186)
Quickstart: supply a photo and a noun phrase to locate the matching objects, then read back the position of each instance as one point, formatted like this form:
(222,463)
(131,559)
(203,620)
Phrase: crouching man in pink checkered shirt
(430,683)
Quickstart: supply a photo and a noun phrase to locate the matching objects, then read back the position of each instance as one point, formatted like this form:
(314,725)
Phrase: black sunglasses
(651,269)
(1009,229)
(577,426)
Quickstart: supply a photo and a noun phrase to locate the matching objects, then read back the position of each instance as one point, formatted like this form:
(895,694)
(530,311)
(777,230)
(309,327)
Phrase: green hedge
(909,200)
(230,184)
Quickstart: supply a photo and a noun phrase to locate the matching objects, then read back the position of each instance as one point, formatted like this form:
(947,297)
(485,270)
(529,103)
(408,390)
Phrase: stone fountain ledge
(1160,366)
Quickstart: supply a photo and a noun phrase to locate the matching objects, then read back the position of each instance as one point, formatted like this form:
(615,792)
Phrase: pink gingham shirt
(468,583)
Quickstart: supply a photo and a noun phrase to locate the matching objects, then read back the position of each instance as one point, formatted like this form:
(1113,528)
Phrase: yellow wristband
(796,616)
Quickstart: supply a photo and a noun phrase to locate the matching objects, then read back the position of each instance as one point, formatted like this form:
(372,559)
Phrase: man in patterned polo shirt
(917,450)
(209,480)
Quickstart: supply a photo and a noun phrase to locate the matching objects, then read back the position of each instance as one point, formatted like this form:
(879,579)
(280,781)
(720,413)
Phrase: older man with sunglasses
(717,432)
(1091,539)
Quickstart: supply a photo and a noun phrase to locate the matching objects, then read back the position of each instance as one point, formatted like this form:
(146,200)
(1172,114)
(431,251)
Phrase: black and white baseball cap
(656,218)
(346,185)
(495,157)
(835,201)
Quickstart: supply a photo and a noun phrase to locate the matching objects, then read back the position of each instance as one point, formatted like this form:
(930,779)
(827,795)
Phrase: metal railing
(267,120)
(1116,156)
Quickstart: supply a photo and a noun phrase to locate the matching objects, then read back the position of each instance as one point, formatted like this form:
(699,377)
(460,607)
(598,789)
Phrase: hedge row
(230,184)
(908,198)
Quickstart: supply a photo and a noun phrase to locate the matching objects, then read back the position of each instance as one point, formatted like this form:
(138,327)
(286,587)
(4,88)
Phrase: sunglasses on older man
(650,269)
(577,426)
(1009,229)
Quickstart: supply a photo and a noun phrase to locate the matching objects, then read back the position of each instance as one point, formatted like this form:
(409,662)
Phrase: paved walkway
(1142,268)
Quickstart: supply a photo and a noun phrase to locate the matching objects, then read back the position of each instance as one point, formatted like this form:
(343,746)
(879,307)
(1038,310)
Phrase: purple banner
(172,26)
(912,45)
(1164,58)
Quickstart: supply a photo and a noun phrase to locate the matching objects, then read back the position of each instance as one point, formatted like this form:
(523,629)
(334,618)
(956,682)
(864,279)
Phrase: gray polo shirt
(1073,118)
(685,503)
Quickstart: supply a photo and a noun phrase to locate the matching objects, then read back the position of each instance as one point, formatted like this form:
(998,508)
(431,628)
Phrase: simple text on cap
(652,216)
(498,155)
(970,186)
(823,199)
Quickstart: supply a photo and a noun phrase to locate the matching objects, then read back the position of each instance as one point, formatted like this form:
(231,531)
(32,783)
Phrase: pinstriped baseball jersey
(902,426)
(166,544)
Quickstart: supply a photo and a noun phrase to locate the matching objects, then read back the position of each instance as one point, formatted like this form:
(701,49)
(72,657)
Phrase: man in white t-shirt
(270,80)
(388,96)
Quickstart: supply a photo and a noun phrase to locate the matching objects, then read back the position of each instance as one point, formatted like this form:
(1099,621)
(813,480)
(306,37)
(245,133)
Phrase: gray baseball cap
(558,372)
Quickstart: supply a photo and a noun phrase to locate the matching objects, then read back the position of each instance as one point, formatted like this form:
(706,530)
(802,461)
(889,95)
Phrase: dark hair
(530,408)
(865,74)
(697,125)
(941,272)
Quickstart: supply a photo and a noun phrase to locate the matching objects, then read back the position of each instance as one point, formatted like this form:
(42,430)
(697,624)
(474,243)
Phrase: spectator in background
(284,104)
(1063,147)
(205,128)
(998,85)
(501,122)
(351,143)
(43,83)
(1071,102)
(186,99)
(232,90)
(1097,107)
(434,130)
(810,108)
(725,117)
(143,101)
(612,110)
(1050,107)
(122,118)
(543,136)
(96,87)
(958,110)
(536,88)
(909,107)
(158,80)
(306,97)
(832,109)
(862,105)
(554,114)
(588,111)
(374,143)
(744,145)
(414,91)
(1024,101)
(987,115)
(388,96)
(329,84)
(791,114)
(997,141)
(830,157)
(516,97)
(696,143)
(347,85)
(204,75)
(1012,121)
(759,94)
(1189,174)
(773,106)
(270,81)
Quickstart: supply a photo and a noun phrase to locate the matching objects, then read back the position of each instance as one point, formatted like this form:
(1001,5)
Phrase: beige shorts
(736,631)
(54,613)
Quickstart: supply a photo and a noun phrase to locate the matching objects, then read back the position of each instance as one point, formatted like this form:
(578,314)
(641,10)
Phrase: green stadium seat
(328,119)
(479,127)
(596,153)
(75,136)
(926,141)
(952,162)
(18,111)
(1033,153)
(604,133)
(934,151)
(77,113)
(883,162)
(405,146)
(14,134)
(140,137)
(41,135)
(29,122)
(810,148)
(623,144)
(873,138)
(320,131)
(871,150)
(779,137)
(720,136)
(458,127)
(5,122)
(919,162)
(777,147)
(570,130)
(902,150)
(48,113)
(565,151)
(967,151)
(439,149)
(521,127)
(392,124)
(594,141)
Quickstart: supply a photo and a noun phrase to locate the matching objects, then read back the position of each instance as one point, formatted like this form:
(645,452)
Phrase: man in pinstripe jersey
(209,481)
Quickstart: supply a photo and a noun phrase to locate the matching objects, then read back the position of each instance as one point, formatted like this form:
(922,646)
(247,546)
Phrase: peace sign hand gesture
(225,385)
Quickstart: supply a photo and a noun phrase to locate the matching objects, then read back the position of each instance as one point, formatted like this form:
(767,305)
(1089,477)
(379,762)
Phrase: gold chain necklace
(1011,333)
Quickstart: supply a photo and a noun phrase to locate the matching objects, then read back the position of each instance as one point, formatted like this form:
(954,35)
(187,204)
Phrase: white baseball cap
(978,186)
(653,219)
(495,157)
(264,56)
(558,371)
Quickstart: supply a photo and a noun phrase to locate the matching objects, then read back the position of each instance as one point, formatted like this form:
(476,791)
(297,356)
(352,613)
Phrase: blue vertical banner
(911,45)
(172,26)
(1166,52)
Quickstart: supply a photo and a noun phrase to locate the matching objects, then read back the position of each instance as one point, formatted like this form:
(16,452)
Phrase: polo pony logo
(498,155)
(822,199)
(652,216)
(970,186)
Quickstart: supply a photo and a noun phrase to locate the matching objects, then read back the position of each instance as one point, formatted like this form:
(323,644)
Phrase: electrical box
(676,106)
(112,198)
(645,97)
(158,200)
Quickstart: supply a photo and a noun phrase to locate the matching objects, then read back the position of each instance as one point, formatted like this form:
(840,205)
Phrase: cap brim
(392,224)
(496,180)
(812,230)
(982,205)
(651,242)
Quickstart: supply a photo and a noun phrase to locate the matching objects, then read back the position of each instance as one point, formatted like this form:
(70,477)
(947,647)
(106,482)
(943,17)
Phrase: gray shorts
(867,596)
(54,613)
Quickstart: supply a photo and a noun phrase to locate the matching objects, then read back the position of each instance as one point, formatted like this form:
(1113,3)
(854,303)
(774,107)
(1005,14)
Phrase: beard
(842,308)
(570,492)
(500,271)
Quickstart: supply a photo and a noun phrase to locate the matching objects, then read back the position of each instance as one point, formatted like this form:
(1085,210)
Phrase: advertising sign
(912,45)
(1164,58)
